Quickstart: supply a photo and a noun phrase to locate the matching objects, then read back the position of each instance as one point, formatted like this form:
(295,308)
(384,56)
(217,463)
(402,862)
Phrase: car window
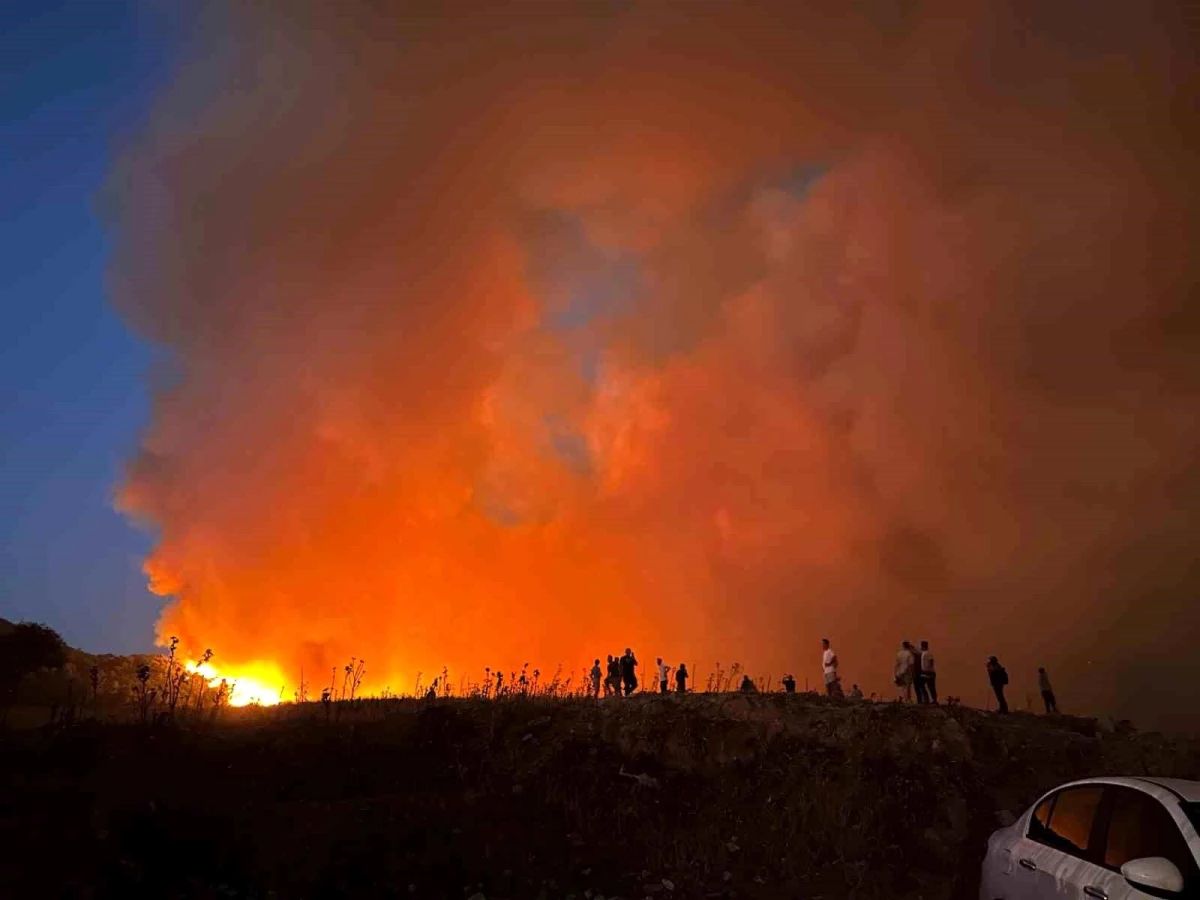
(1192,811)
(1039,822)
(1139,826)
(1071,818)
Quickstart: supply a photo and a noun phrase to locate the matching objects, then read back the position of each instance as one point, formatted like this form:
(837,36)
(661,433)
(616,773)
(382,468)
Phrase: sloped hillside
(705,796)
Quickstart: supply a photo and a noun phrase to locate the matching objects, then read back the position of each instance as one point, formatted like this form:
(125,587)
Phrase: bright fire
(244,690)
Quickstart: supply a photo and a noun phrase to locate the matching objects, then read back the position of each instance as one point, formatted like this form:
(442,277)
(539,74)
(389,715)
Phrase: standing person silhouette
(681,678)
(904,670)
(917,681)
(629,665)
(595,673)
(829,669)
(663,672)
(612,684)
(1047,690)
(927,672)
(998,678)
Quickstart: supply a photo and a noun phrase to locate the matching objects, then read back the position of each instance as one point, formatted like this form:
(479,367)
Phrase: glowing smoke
(535,333)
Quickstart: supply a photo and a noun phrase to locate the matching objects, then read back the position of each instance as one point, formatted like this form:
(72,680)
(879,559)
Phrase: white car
(1100,838)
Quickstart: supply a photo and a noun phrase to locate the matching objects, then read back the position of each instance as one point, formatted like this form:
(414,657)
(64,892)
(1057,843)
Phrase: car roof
(1188,791)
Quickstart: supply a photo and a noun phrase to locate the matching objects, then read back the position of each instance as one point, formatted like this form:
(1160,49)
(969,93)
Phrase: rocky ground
(704,796)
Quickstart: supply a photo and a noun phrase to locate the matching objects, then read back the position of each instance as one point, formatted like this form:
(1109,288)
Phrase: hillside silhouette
(707,795)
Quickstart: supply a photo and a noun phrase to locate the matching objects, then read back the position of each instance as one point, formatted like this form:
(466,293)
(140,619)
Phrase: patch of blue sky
(607,287)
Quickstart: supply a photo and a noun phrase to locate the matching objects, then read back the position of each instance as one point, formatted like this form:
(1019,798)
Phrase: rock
(668,884)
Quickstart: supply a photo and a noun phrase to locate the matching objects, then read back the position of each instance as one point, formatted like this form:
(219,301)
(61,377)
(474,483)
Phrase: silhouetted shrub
(28,648)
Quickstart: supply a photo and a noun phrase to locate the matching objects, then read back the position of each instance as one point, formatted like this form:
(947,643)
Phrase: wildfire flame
(244,690)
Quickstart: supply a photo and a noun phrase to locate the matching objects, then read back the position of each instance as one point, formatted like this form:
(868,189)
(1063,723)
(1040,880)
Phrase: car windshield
(1192,811)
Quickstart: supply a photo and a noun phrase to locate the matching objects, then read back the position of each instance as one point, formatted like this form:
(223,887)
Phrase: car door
(1056,856)
(1136,824)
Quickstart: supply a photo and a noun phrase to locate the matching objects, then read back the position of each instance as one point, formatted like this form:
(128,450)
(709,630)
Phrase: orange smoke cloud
(543,331)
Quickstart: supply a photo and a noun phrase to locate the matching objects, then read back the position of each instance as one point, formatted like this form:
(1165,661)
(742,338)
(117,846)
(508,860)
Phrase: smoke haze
(529,331)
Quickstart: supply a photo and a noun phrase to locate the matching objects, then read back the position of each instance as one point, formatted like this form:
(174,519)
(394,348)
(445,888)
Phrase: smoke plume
(530,331)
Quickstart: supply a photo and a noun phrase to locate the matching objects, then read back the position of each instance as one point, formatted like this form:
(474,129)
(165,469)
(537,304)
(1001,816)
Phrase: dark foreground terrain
(706,796)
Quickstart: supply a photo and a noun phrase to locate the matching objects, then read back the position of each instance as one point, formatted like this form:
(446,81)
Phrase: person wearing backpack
(998,676)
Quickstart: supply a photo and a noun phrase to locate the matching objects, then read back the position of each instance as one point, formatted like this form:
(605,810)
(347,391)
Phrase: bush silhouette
(28,648)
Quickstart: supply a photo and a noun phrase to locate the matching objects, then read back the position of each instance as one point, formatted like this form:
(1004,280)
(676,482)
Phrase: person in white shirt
(829,668)
(663,671)
(904,670)
(928,673)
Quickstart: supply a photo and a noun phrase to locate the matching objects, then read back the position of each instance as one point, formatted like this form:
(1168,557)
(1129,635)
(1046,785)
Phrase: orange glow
(258,689)
(578,327)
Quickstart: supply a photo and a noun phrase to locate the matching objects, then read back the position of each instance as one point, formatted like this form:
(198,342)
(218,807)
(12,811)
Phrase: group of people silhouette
(914,673)
(620,678)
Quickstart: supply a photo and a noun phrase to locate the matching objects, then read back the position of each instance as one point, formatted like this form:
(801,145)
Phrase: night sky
(74,78)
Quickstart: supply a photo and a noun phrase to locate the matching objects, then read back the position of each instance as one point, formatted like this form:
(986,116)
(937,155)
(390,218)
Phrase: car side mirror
(1153,872)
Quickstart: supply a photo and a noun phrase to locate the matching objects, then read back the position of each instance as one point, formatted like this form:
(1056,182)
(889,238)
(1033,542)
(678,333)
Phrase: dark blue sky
(75,79)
